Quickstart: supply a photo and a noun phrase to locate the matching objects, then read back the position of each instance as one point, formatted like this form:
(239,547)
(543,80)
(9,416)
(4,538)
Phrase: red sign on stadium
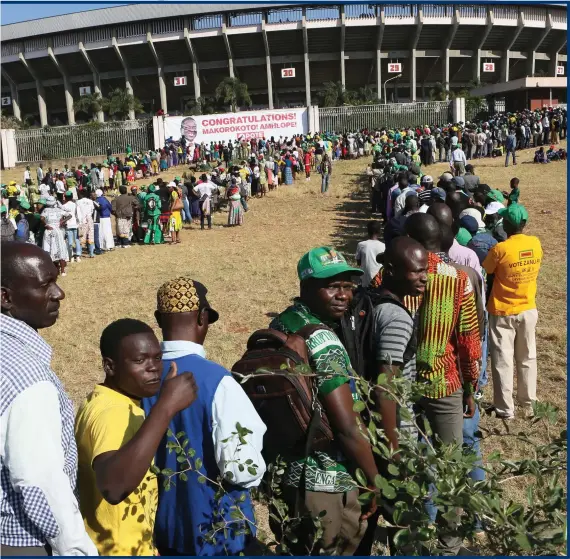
(180,80)
(488,66)
(395,68)
(287,72)
(559,70)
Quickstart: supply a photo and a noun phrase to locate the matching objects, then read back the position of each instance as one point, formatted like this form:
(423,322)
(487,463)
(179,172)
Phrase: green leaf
(388,491)
(361,477)
(523,541)
(169,433)
(358,406)
(413,489)
(393,470)
(183,477)
(198,463)
(201,479)
(191,452)
(252,471)
(180,434)
(181,459)
(382,379)
(365,498)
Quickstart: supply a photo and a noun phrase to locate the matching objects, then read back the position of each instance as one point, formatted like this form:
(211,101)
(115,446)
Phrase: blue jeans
(244,203)
(509,151)
(97,243)
(325,184)
(73,237)
(186,216)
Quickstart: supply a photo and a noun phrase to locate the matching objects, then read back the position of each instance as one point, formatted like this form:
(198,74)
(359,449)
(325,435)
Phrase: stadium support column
(342,40)
(39,90)
(306,59)
(553,64)
(15,95)
(480,45)
(192,52)
(505,70)
(267,63)
(413,55)
(381,21)
(530,56)
(447,46)
(228,49)
(160,67)
(66,84)
(96,78)
(128,85)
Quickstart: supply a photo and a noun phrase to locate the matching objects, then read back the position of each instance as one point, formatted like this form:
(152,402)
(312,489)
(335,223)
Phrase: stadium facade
(167,54)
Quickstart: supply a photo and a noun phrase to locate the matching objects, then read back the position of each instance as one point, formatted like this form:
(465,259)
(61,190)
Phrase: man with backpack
(323,480)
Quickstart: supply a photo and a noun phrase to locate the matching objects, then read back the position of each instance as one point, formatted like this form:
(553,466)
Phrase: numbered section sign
(287,72)
(6,101)
(394,68)
(559,70)
(180,80)
(488,66)
(85,90)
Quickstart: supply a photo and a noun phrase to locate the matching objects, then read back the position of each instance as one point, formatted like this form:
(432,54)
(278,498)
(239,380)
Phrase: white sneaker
(127,246)
(63,274)
(78,259)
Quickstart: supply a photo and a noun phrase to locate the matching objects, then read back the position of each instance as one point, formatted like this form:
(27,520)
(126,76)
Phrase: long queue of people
(447,279)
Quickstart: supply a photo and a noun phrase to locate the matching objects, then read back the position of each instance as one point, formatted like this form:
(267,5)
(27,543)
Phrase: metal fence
(93,139)
(349,118)
(482,109)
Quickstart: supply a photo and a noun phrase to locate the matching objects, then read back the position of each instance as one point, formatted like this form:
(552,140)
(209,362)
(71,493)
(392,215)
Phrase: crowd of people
(447,279)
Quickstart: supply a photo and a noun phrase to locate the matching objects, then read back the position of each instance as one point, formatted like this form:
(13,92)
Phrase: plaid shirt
(26,517)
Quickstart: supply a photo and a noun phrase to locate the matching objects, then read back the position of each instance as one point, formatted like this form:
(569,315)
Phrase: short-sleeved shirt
(393,328)
(515,264)
(326,471)
(106,421)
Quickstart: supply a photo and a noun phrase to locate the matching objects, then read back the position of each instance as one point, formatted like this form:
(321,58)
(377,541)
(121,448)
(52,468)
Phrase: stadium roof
(120,14)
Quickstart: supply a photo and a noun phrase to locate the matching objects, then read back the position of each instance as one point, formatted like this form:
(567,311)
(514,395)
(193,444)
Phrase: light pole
(389,79)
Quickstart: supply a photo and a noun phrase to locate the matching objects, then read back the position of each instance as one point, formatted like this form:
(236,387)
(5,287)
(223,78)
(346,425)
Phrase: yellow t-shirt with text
(106,421)
(515,264)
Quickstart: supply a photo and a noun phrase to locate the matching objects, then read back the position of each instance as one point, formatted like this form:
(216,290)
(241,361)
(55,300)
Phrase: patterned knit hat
(182,295)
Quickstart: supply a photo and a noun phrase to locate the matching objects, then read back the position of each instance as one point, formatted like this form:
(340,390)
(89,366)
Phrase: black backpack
(357,331)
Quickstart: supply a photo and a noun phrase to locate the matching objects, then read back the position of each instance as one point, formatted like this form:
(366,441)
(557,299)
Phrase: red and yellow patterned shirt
(448,329)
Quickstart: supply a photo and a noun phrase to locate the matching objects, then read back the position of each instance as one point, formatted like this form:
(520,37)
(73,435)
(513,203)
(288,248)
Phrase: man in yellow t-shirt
(116,444)
(514,265)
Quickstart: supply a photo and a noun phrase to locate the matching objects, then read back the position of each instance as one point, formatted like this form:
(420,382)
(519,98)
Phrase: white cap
(493,207)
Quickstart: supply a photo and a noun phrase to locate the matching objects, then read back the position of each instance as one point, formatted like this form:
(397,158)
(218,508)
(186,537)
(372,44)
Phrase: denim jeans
(244,203)
(97,242)
(186,217)
(509,151)
(325,183)
(73,238)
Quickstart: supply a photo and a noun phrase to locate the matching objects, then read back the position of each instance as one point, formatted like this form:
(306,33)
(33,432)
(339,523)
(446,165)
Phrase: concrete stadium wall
(43,68)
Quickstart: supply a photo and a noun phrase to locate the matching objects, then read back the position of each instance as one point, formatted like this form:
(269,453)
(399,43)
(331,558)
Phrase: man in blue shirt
(189,509)
(511,147)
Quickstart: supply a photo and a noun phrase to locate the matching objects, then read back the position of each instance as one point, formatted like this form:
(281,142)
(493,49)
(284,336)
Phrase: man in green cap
(512,267)
(326,291)
(153,234)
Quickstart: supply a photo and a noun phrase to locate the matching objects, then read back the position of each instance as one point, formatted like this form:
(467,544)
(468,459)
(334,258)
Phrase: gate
(93,139)
(393,115)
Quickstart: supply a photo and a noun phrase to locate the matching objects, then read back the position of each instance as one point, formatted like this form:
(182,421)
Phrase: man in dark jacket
(470,178)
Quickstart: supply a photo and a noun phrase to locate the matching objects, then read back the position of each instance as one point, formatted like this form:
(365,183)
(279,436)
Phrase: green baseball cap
(496,196)
(69,193)
(42,201)
(3,209)
(463,236)
(324,262)
(24,204)
(515,214)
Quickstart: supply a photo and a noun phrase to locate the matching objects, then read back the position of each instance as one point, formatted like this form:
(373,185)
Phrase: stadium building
(167,54)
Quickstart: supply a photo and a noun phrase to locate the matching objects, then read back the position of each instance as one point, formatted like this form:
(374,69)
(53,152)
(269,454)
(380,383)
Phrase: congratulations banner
(240,126)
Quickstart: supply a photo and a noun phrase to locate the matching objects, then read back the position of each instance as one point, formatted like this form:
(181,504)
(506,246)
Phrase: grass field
(250,272)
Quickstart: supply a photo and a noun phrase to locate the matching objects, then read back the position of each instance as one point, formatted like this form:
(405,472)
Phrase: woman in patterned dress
(53,220)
